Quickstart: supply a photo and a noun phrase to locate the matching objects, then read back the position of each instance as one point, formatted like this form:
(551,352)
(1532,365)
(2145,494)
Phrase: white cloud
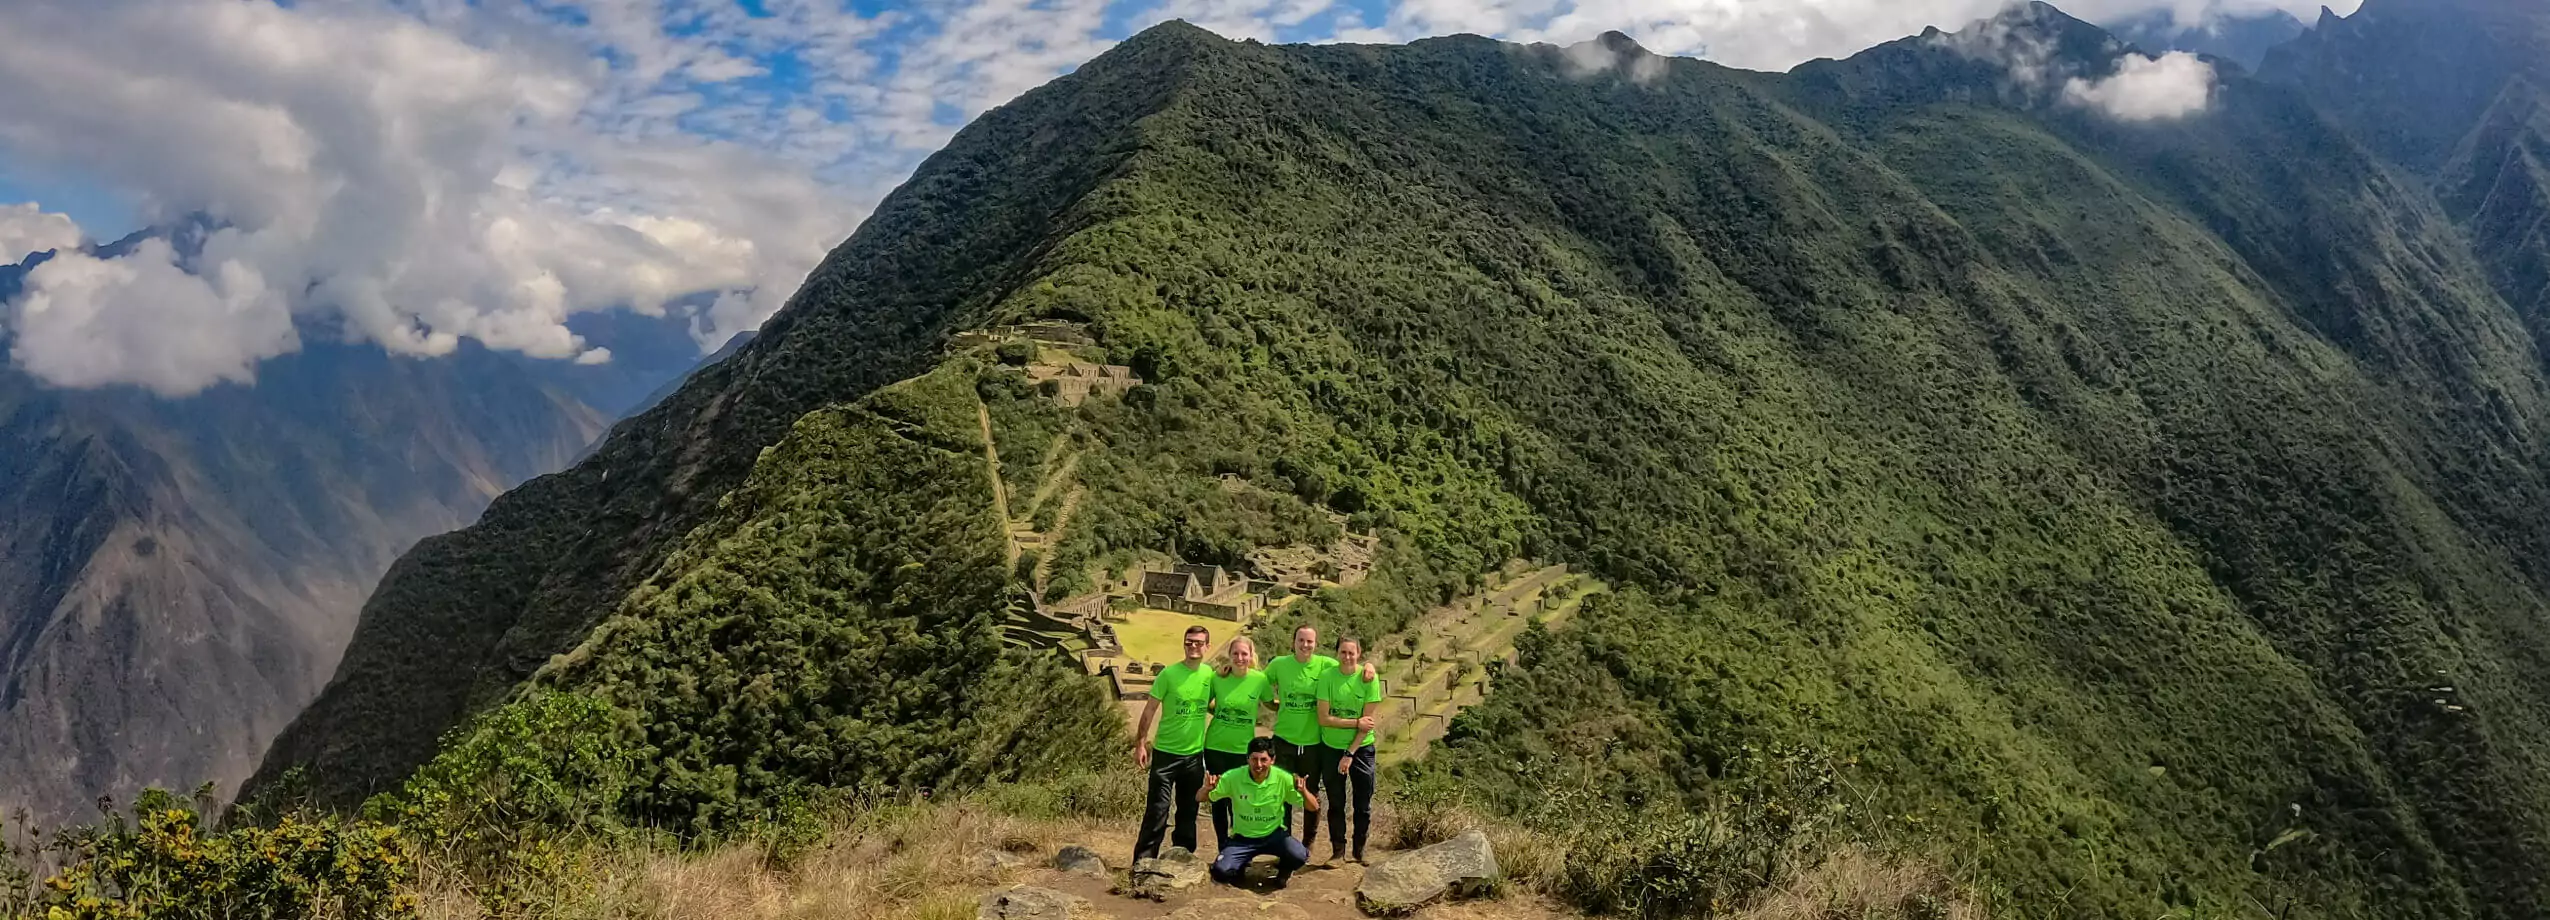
(2172,86)
(26,228)
(142,319)
(396,175)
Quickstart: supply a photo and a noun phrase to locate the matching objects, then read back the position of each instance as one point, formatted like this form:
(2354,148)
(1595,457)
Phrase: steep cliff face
(2150,505)
(178,577)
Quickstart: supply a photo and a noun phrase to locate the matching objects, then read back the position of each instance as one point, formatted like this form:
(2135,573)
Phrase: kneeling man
(1259,794)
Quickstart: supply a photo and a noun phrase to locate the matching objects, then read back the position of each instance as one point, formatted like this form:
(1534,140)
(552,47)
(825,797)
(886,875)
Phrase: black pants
(1304,761)
(1175,779)
(1217,763)
(1357,781)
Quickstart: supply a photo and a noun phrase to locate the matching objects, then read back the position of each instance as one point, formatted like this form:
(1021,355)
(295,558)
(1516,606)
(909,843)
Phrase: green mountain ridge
(2150,510)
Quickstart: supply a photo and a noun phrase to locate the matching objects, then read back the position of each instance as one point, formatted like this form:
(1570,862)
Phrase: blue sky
(427,170)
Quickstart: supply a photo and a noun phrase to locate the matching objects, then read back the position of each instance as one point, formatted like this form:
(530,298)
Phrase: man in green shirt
(1260,794)
(1239,693)
(1173,724)
(1349,718)
(1295,680)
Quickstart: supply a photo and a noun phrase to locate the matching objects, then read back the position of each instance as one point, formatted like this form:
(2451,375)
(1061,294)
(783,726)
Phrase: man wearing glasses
(1170,743)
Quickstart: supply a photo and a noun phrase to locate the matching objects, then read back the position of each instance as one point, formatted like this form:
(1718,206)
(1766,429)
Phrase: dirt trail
(1062,520)
(1316,892)
(992,467)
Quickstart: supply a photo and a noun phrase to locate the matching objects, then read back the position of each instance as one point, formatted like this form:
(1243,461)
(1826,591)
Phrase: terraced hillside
(2148,511)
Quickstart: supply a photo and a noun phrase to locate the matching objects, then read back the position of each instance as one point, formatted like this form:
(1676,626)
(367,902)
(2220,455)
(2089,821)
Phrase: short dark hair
(1342,640)
(1198,628)
(1297,630)
(1262,744)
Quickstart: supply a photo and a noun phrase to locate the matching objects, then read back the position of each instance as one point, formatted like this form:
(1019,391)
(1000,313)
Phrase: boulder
(1461,867)
(1029,903)
(1080,860)
(1176,869)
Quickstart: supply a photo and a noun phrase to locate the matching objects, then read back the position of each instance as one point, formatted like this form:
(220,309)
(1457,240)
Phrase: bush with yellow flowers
(167,863)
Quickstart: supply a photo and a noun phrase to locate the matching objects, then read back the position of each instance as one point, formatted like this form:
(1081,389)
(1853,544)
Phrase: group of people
(1198,739)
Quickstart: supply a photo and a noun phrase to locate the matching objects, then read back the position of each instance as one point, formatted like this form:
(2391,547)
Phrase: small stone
(1029,903)
(994,861)
(1461,867)
(1080,860)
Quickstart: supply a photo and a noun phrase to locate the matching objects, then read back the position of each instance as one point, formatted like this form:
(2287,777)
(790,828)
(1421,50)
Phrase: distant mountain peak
(2242,39)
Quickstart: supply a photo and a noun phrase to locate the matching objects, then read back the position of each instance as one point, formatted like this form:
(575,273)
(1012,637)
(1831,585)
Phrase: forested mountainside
(178,577)
(2148,511)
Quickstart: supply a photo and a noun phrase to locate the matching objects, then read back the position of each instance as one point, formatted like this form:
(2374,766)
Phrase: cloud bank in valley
(413,172)
(2174,85)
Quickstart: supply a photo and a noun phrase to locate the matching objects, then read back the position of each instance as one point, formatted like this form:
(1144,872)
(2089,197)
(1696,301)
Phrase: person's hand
(1366,723)
(1142,754)
(1206,794)
(1345,762)
(1369,673)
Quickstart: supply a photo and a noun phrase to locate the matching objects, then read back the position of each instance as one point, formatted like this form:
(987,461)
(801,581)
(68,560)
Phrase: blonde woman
(1240,691)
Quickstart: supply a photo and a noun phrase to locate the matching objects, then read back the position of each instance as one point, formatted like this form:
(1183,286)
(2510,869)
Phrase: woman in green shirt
(1349,720)
(1240,691)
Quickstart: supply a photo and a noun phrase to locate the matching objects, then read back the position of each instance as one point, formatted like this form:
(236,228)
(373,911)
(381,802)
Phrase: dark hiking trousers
(1175,779)
(1217,763)
(1357,781)
(1230,866)
(1304,761)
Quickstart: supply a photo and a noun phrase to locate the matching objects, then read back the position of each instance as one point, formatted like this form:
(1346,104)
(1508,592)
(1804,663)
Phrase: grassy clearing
(1154,636)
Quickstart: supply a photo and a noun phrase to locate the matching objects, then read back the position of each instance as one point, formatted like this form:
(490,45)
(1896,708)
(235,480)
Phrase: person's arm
(1373,714)
(1329,721)
(1302,794)
(1142,732)
(1207,794)
(1371,722)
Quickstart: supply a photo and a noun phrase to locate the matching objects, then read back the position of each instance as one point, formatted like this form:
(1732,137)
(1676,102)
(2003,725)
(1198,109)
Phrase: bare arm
(1142,732)
(1330,721)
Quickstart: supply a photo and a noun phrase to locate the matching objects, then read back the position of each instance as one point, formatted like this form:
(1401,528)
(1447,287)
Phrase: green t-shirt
(1257,809)
(1236,700)
(1186,697)
(1297,684)
(1347,693)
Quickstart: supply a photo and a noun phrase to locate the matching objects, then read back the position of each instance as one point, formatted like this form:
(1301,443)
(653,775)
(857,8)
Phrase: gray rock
(1080,860)
(1461,867)
(1176,870)
(1027,903)
(994,861)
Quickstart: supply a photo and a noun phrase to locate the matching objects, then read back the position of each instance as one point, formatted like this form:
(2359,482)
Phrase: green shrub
(1106,794)
(165,863)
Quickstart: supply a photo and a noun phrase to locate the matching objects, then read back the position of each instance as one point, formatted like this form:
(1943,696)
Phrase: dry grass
(1855,884)
(922,862)
(903,863)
